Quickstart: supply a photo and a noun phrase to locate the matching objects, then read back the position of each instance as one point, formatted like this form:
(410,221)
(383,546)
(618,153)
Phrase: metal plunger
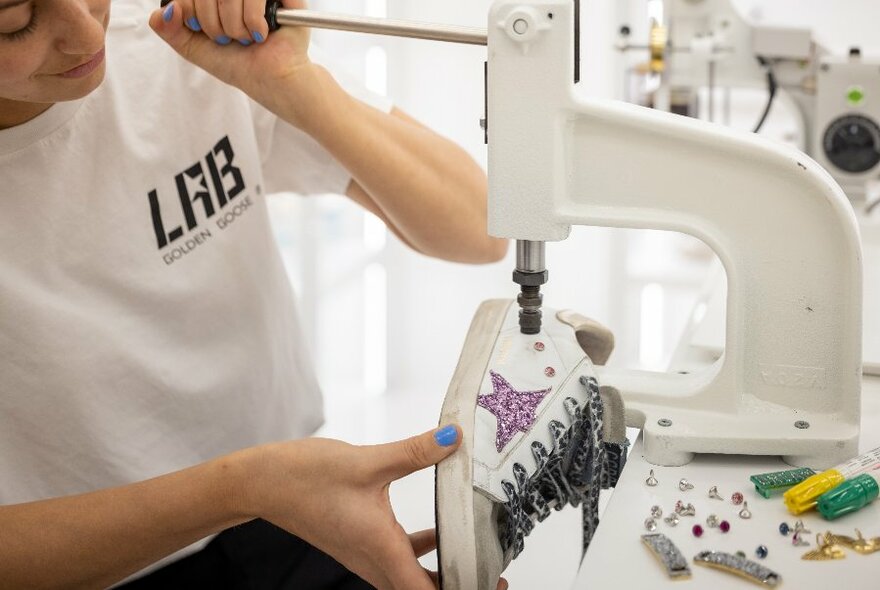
(530,274)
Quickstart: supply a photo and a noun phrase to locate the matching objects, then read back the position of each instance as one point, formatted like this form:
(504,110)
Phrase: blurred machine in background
(697,55)
(698,51)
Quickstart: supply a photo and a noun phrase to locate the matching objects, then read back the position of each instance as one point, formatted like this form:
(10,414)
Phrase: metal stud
(684,485)
(687,510)
(745,512)
(650,525)
(672,519)
(651,481)
(713,493)
(656,511)
(712,521)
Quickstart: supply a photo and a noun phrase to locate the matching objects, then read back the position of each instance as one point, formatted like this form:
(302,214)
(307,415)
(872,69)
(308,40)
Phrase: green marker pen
(850,496)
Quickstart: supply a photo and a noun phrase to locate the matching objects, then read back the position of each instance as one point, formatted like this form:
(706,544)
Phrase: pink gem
(724,526)
(679,506)
(736,498)
(539,346)
(549,371)
(697,530)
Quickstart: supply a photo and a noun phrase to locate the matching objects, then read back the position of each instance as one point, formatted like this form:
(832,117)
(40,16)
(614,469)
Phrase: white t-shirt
(146,320)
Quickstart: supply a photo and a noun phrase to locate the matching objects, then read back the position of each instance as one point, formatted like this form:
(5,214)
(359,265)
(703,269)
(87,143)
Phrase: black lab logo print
(207,188)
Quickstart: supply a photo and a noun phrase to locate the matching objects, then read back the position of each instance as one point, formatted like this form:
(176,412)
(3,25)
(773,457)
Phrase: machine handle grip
(272,7)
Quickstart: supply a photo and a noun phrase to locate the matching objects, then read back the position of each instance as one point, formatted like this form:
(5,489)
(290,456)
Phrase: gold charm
(826,549)
(860,544)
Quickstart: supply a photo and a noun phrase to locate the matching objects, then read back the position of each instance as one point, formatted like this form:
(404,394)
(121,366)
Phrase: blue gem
(761,551)
(784,529)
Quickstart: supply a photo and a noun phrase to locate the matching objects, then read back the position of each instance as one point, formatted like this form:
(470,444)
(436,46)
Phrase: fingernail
(168,12)
(244,42)
(446,436)
(193,23)
(223,40)
(257,36)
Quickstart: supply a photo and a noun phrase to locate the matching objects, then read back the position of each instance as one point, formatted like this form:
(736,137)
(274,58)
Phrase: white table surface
(618,559)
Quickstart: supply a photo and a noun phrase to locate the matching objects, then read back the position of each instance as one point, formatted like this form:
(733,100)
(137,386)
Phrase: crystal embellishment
(740,566)
(665,550)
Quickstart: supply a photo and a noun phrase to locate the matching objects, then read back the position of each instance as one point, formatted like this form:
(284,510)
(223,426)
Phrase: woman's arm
(429,191)
(332,494)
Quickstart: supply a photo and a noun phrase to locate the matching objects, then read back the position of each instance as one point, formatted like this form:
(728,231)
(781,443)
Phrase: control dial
(852,143)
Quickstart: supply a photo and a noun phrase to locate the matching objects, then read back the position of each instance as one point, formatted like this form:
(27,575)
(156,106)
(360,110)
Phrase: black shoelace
(573,472)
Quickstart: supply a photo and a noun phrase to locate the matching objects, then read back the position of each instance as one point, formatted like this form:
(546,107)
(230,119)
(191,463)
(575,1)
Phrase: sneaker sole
(458,538)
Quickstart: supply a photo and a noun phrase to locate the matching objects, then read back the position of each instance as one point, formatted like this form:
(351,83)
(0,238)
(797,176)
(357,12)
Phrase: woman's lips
(86,68)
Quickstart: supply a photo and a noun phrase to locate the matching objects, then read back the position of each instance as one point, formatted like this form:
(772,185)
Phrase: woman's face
(50,51)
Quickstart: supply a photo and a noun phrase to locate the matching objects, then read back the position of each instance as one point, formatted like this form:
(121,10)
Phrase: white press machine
(789,382)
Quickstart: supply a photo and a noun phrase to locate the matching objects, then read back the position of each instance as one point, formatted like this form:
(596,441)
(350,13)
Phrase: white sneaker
(538,434)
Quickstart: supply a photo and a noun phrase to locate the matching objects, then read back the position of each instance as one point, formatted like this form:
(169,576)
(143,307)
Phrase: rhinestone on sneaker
(737,498)
(684,485)
(650,525)
(656,511)
(761,551)
(784,529)
(697,530)
(549,372)
(712,521)
(539,346)
(724,526)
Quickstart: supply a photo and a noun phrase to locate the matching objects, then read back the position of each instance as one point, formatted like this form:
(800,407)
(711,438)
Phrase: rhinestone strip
(666,551)
(739,566)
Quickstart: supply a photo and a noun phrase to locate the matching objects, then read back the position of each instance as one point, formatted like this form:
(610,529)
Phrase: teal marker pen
(850,496)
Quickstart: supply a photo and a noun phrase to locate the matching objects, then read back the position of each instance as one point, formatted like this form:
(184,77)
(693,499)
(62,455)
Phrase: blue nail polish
(446,436)
(168,12)
(223,40)
(193,23)
(257,36)
(244,42)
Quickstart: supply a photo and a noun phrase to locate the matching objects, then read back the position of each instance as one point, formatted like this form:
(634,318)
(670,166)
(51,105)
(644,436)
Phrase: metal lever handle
(277,15)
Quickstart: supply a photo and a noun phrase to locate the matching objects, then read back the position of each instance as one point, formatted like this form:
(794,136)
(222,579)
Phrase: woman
(150,358)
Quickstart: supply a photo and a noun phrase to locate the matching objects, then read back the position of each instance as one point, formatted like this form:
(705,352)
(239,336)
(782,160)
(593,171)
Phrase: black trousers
(254,556)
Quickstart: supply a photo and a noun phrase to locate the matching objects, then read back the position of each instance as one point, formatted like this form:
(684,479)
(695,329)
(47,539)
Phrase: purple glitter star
(514,410)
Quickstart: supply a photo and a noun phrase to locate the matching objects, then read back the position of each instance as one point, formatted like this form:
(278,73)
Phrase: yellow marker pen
(803,496)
